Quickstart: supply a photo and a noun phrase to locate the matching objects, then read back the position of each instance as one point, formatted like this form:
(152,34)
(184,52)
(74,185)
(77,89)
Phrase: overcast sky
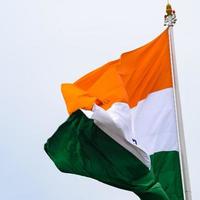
(44,43)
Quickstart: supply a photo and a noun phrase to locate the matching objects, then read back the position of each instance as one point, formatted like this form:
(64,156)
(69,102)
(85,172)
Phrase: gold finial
(169,9)
(170,17)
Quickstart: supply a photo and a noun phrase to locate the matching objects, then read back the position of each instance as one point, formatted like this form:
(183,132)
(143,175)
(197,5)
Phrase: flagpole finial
(170,17)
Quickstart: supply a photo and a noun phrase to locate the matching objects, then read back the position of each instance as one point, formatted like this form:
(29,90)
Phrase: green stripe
(166,168)
(80,147)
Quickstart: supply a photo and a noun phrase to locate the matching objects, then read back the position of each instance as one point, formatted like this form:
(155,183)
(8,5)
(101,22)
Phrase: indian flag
(121,128)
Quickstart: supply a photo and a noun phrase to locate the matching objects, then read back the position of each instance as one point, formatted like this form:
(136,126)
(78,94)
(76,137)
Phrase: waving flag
(122,127)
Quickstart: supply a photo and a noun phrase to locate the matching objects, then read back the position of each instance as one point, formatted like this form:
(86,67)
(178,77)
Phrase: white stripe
(151,123)
(154,122)
(116,122)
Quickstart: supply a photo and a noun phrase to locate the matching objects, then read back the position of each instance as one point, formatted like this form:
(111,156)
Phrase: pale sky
(44,43)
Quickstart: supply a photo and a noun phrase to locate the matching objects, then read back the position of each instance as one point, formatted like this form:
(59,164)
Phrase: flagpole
(170,20)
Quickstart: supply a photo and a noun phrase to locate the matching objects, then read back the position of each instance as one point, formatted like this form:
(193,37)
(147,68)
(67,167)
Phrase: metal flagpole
(170,20)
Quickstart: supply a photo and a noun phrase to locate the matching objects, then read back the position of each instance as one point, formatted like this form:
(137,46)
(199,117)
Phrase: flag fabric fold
(80,147)
(122,125)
